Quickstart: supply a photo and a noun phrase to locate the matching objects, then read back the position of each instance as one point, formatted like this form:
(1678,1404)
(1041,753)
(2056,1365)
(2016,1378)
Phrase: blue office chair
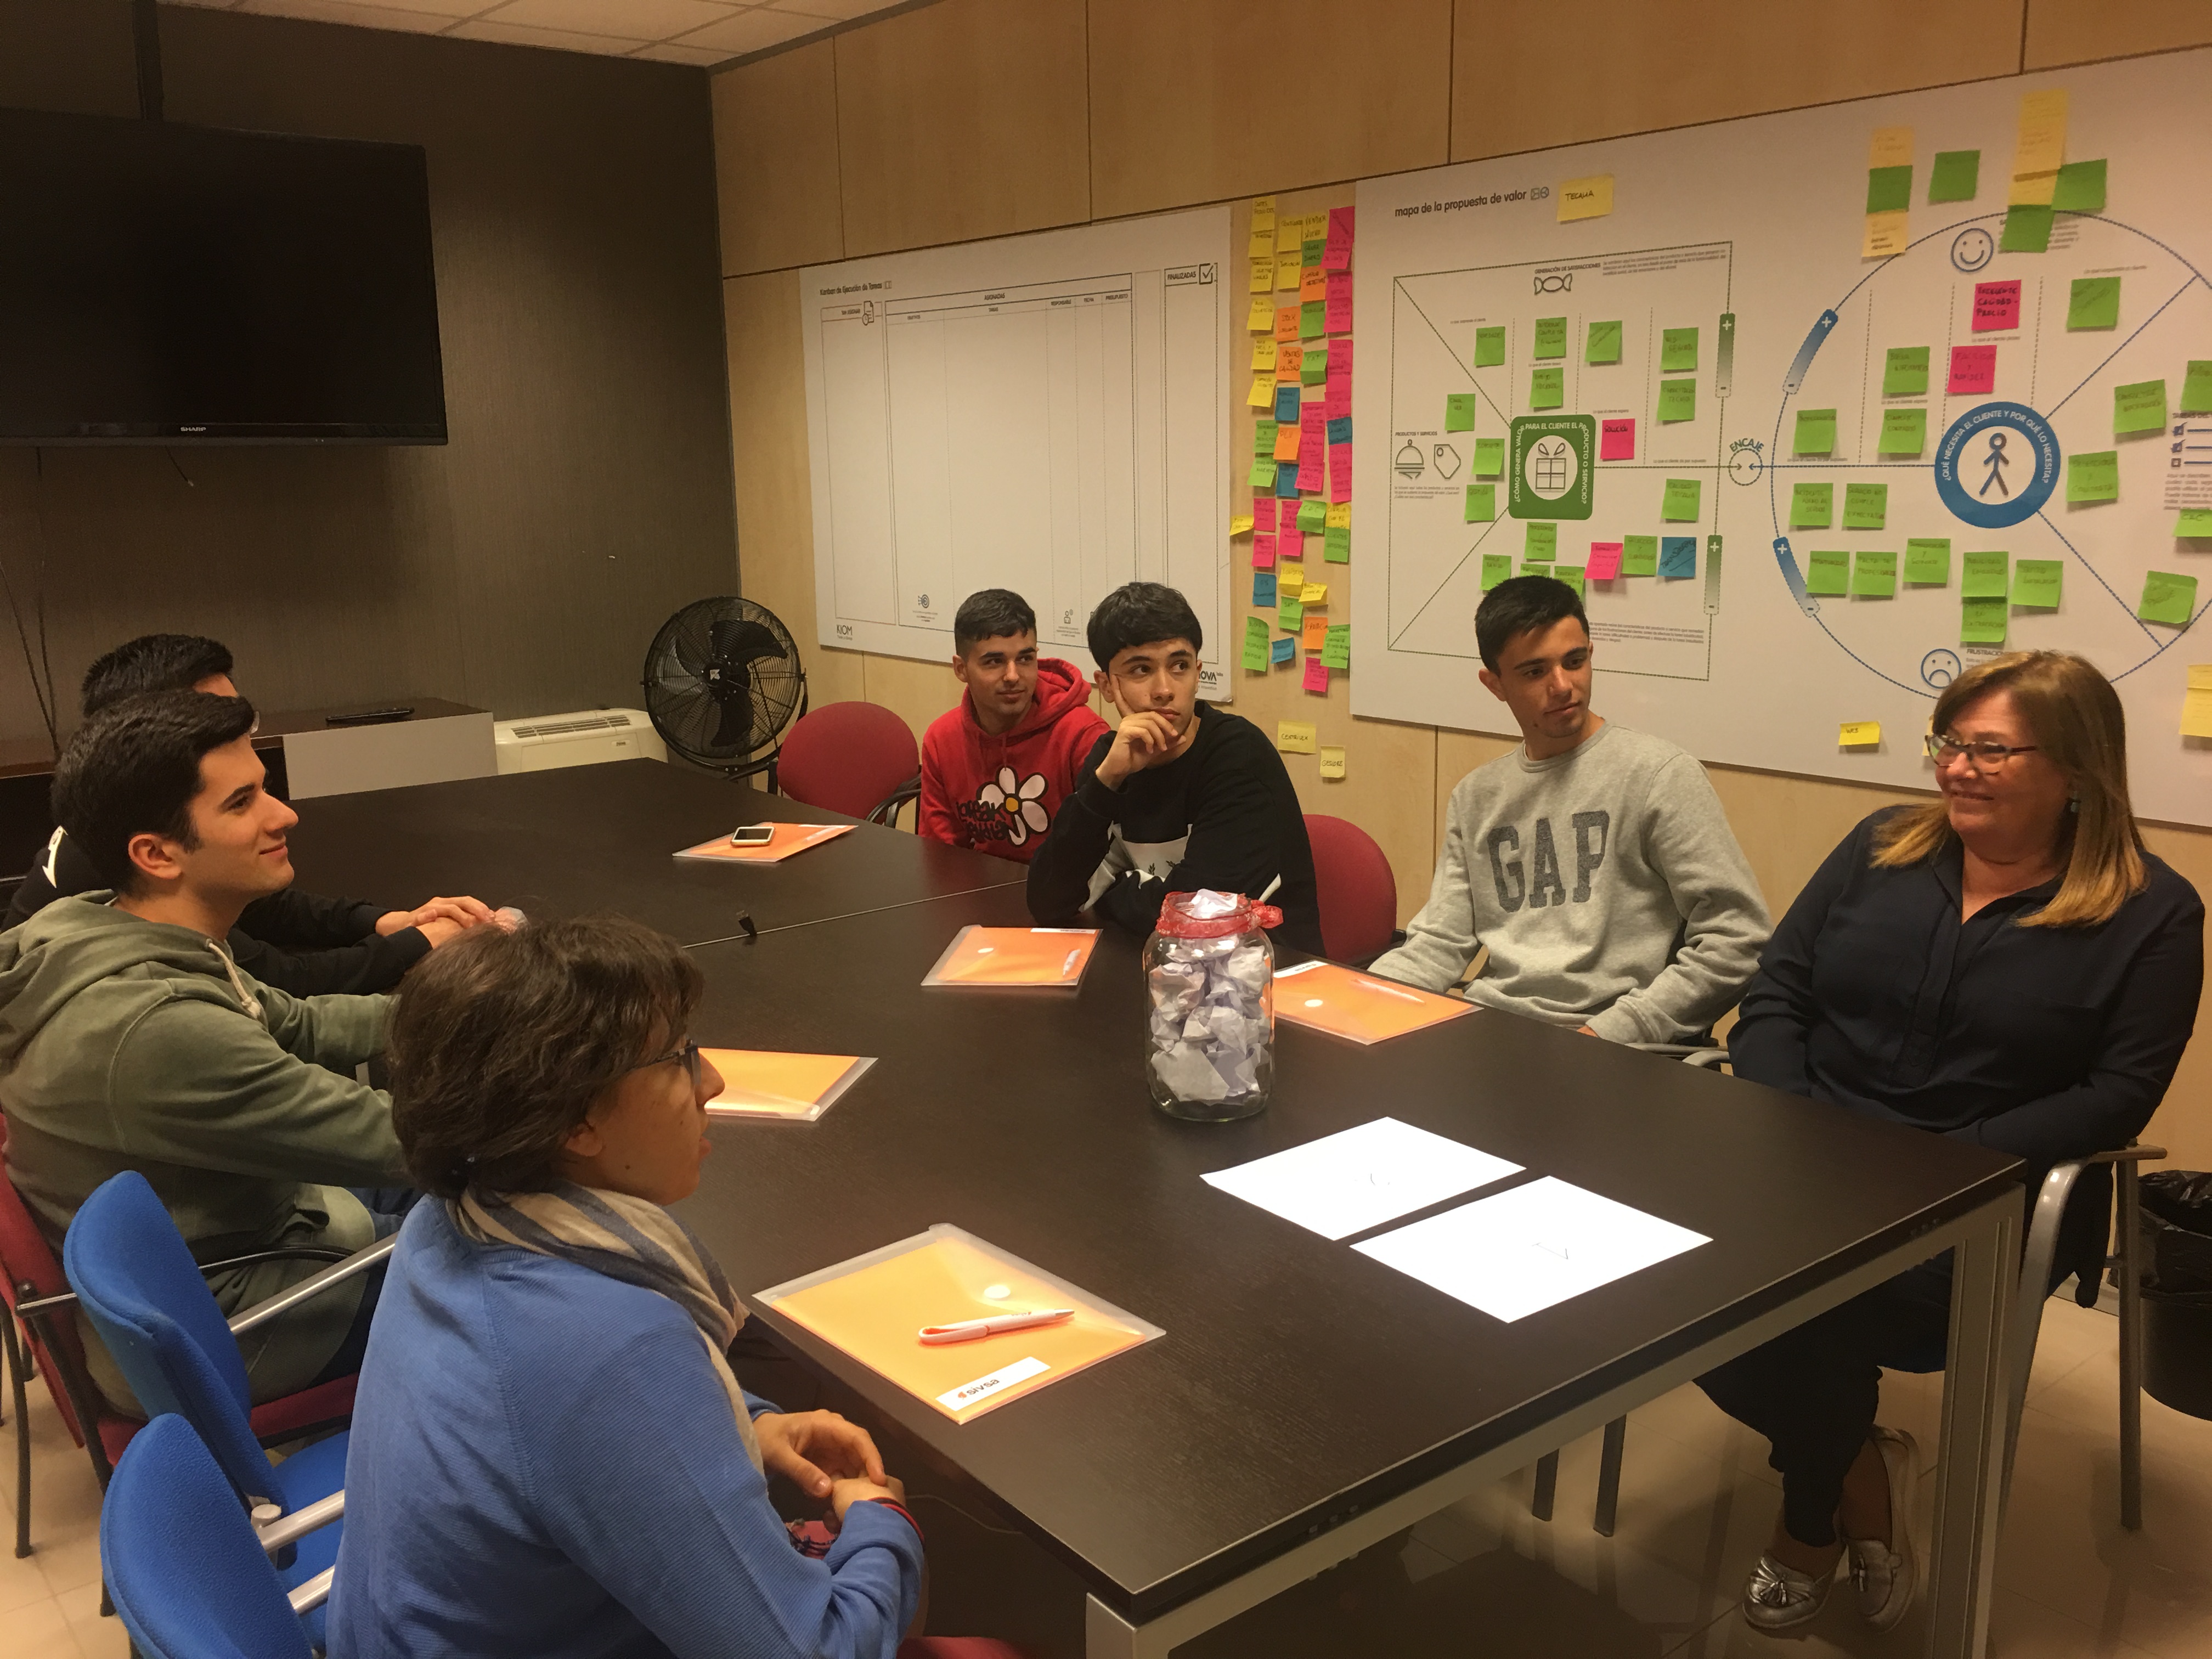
(139,1284)
(188,1576)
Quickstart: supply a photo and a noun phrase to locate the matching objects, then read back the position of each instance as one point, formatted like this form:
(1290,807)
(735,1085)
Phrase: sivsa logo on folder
(983,1388)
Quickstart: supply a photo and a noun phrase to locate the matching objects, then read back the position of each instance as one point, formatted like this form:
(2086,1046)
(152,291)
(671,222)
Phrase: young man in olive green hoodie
(129,1039)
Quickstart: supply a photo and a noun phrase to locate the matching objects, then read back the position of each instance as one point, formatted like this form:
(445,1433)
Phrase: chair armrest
(282,1531)
(55,1303)
(1706,1060)
(314,1285)
(305,1598)
(2125,1155)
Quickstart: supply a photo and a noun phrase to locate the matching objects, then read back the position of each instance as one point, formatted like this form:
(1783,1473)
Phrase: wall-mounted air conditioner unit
(584,739)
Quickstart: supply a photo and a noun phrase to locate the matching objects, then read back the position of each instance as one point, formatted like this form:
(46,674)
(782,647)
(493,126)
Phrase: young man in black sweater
(1181,796)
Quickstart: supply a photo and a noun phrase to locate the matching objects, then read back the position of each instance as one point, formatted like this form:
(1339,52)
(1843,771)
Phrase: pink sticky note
(1313,436)
(1336,254)
(1263,547)
(1316,676)
(1973,370)
(1616,440)
(1290,545)
(1263,513)
(1336,318)
(1996,305)
(1340,472)
(1604,563)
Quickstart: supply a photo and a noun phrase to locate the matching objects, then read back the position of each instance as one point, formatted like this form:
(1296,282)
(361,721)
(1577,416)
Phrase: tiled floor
(1697,1502)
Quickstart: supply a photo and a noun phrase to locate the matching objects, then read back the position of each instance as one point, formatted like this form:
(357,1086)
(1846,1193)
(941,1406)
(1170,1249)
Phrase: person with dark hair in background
(995,770)
(513,1491)
(1181,796)
(1594,862)
(297,942)
(130,1040)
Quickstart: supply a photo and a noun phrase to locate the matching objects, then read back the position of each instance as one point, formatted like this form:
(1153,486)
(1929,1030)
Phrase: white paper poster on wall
(1807,483)
(1047,413)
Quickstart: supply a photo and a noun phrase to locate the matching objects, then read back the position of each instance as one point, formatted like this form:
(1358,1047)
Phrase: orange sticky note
(1314,632)
(789,838)
(1286,323)
(1357,1005)
(760,1083)
(1286,441)
(1289,359)
(1015,956)
(1313,283)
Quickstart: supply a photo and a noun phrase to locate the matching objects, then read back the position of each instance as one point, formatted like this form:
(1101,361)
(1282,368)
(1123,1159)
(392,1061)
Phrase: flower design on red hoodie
(1019,801)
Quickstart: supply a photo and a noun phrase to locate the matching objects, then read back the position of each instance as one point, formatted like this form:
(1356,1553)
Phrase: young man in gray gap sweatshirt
(1595,862)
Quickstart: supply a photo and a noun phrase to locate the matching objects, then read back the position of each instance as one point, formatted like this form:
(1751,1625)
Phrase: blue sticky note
(1286,402)
(1339,429)
(1678,556)
(1286,478)
(1285,649)
(1263,590)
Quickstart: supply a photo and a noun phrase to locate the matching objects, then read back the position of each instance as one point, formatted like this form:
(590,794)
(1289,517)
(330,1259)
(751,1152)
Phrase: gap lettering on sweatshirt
(1537,881)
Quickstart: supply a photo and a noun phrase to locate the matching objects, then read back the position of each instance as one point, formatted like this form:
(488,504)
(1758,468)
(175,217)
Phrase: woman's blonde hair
(2075,718)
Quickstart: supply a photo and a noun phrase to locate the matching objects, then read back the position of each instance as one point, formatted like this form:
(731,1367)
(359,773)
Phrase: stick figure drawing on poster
(1996,467)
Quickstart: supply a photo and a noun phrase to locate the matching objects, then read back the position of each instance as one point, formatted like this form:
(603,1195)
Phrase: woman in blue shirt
(550,1455)
(2008,965)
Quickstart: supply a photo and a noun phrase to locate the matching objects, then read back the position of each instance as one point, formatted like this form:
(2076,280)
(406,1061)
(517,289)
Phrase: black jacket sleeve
(1767,1044)
(373,964)
(1059,874)
(309,920)
(32,894)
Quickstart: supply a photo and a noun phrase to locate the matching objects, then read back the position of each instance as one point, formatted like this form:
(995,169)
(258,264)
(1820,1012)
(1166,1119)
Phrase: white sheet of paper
(1524,1250)
(1359,1178)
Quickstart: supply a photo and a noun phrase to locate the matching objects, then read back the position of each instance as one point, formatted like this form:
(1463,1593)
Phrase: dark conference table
(1305,1401)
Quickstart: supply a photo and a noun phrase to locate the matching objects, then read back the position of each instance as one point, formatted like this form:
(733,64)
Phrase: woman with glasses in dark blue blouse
(2008,965)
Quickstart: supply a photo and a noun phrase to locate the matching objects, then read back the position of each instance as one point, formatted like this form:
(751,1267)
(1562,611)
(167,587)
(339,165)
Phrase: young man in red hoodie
(995,770)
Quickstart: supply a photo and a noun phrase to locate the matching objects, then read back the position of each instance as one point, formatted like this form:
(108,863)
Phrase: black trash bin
(2175,1261)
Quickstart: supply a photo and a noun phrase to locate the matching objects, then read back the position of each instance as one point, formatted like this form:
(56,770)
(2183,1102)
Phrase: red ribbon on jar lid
(1177,921)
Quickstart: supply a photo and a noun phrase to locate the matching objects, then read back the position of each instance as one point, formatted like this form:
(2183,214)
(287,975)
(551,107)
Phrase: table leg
(1107,1635)
(2131,1352)
(1962,1561)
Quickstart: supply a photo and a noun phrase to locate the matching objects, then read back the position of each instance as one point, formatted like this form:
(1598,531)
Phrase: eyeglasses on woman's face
(1984,757)
(686,1053)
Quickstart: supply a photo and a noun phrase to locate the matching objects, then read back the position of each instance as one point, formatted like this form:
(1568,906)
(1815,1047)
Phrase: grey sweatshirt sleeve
(1724,923)
(1441,939)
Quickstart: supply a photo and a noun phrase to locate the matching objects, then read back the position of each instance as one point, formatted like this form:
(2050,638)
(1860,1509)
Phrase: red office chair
(857,758)
(1359,895)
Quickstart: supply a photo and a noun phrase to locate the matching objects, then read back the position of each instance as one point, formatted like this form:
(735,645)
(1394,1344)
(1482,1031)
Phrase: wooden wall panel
(961,121)
(1605,68)
(775,162)
(1181,111)
(2183,1125)
(916,691)
(2082,31)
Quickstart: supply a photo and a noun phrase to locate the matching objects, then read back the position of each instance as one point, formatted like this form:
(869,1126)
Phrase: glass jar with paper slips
(1210,980)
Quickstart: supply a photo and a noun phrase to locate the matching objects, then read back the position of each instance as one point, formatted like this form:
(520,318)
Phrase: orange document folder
(1348,1004)
(1050,957)
(874,1306)
(759,1083)
(789,838)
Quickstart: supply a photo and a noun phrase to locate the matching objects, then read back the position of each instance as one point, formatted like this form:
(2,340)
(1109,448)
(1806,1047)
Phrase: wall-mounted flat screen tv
(163,283)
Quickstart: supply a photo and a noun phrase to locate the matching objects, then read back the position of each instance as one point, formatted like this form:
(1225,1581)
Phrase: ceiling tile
(755,30)
(636,20)
(609,45)
(671,52)
(837,11)
(345,11)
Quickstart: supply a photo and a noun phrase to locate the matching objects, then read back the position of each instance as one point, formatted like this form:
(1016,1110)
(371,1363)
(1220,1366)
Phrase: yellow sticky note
(1262,394)
(1263,213)
(1263,266)
(1287,269)
(2040,149)
(1261,318)
(1240,524)
(1332,761)
(1892,148)
(1340,517)
(1263,355)
(1315,593)
(1586,198)
(1886,236)
(1295,737)
(1289,578)
(1261,244)
(2196,702)
(1858,734)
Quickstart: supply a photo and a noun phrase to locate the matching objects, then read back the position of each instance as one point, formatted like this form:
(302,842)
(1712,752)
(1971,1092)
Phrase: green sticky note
(1551,337)
(1639,555)
(1489,457)
(1816,433)
(1905,372)
(1336,545)
(1904,432)
(1678,400)
(2194,521)
(1572,574)
(2168,599)
(2094,477)
(1889,189)
(1262,475)
(1535,567)
(1982,622)
(1489,347)
(1313,368)
(1547,387)
(1310,320)
(2196,388)
(1985,575)
(1263,440)
(1678,351)
(1927,561)
(1956,175)
(1827,573)
(1482,503)
(2079,188)
(2139,406)
(2095,303)
(1541,541)
(1458,411)
(1496,567)
(1336,646)
(1812,506)
(1865,506)
(2026,230)
(1311,250)
(1604,344)
(1313,517)
(1290,612)
(1873,575)
(2037,581)
(1682,501)
(1255,644)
